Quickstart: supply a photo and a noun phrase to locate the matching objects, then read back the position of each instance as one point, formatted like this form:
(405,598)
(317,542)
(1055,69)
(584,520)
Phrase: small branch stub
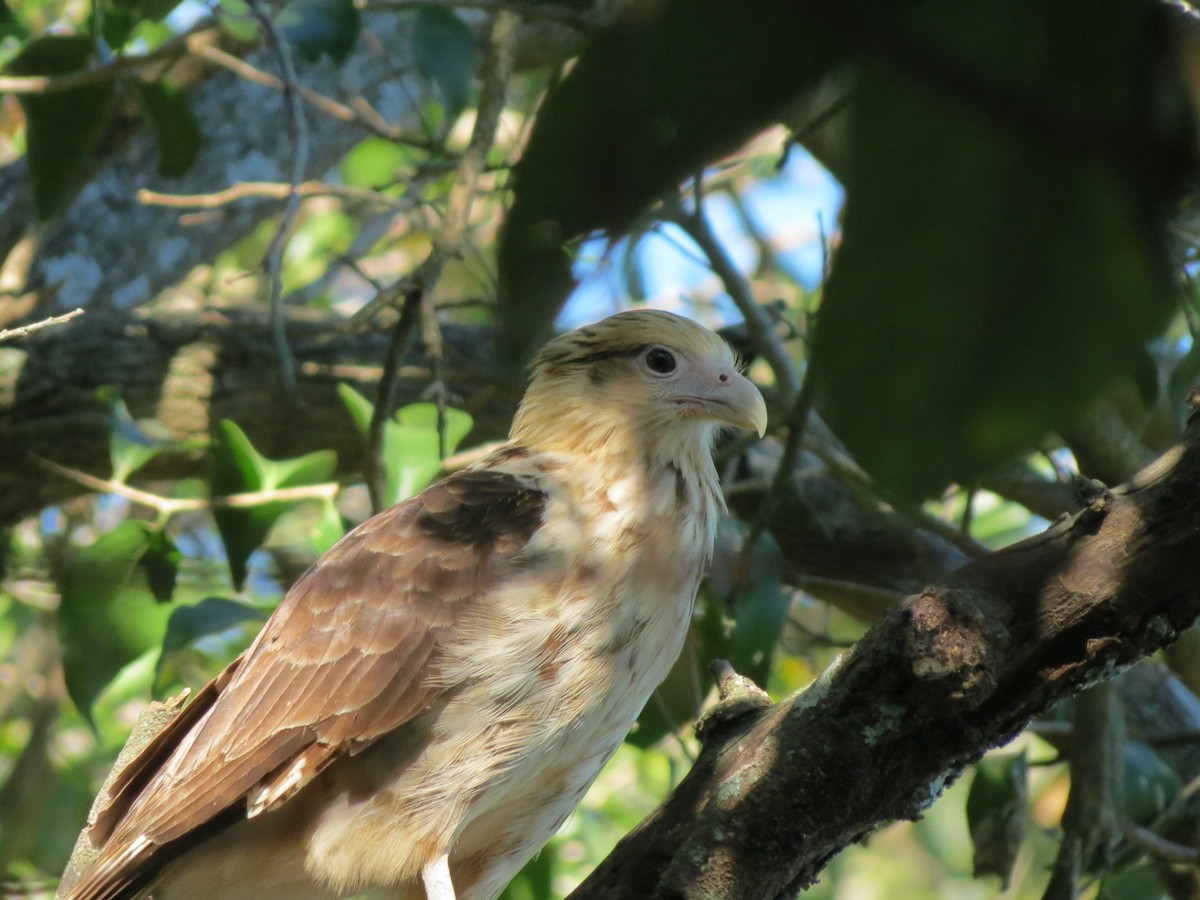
(738,696)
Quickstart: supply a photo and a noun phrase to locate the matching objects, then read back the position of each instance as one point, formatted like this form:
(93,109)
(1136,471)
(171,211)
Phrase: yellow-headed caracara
(435,695)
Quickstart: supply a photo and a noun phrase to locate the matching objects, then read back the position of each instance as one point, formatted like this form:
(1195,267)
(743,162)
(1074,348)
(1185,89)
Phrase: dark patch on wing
(344,660)
(490,511)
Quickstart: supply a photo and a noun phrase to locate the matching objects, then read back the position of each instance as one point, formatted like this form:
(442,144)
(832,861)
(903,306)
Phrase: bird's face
(649,371)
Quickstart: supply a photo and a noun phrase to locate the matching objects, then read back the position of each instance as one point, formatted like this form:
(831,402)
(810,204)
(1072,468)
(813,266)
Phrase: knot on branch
(953,647)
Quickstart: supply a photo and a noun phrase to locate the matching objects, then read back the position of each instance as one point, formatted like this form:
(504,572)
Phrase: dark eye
(660,360)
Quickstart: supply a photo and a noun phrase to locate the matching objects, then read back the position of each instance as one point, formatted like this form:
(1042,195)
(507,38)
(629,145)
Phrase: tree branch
(947,675)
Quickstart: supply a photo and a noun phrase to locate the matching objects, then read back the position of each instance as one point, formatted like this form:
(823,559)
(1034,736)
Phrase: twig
(758,321)
(272,190)
(50,84)
(297,127)
(340,111)
(418,287)
(796,423)
(169,506)
(1159,847)
(10,334)
(385,396)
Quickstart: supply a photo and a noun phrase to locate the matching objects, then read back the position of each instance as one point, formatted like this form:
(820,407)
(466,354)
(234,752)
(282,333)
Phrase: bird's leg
(435,875)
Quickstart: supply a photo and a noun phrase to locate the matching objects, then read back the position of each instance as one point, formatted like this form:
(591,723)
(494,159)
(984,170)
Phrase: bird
(434,696)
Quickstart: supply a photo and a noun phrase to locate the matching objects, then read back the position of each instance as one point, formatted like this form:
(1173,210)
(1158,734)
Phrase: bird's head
(641,375)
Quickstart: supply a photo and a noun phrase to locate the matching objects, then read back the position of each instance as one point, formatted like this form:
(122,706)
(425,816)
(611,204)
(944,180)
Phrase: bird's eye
(660,361)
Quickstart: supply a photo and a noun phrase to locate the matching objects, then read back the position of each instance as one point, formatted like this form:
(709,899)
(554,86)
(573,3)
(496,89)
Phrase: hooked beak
(725,394)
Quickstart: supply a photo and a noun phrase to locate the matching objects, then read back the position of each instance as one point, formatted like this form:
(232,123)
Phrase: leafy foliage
(108,615)
(62,128)
(1037,201)
(314,27)
(1003,256)
(237,468)
(411,441)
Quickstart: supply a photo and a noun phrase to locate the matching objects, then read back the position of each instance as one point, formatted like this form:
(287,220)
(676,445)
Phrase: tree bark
(950,673)
(110,251)
(189,372)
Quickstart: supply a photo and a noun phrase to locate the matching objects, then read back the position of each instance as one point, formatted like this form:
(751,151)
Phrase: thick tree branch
(950,673)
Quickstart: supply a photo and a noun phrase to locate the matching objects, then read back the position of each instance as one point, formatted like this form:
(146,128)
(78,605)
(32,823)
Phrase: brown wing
(342,661)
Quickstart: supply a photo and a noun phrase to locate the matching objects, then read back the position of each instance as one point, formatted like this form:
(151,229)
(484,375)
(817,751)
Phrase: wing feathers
(344,660)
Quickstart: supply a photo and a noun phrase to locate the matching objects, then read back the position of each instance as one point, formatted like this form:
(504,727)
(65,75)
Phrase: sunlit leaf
(62,127)
(131,443)
(237,468)
(410,441)
(108,615)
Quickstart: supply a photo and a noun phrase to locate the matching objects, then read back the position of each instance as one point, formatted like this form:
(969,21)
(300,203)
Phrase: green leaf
(374,163)
(131,444)
(997,813)
(62,128)
(1005,248)
(651,100)
(329,528)
(108,615)
(236,468)
(169,113)
(160,562)
(445,54)
(314,27)
(120,18)
(748,589)
(410,441)
(1150,786)
(188,624)
(411,447)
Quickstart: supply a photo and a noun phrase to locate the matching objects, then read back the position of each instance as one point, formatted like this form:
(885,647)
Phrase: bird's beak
(725,394)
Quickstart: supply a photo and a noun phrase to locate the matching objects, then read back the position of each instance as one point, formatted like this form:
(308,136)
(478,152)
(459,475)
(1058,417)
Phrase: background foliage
(1008,305)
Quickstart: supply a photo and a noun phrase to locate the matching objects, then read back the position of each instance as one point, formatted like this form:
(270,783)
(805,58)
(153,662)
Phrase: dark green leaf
(169,113)
(445,54)
(63,127)
(160,562)
(652,100)
(314,27)
(188,624)
(1140,883)
(1150,785)
(760,609)
(997,812)
(108,616)
(236,468)
(1004,253)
